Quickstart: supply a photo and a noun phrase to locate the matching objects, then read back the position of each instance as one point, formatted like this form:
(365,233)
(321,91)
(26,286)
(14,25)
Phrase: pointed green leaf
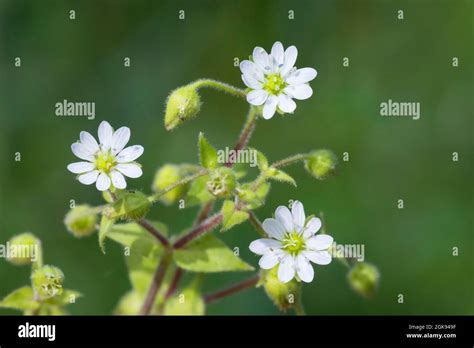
(125,234)
(186,302)
(198,193)
(280,175)
(209,254)
(262,161)
(207,153)
(232,216)
(22,299)
(105,225)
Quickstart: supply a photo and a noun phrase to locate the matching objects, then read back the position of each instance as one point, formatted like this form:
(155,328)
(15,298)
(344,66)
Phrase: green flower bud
(221,182)
(183,104)
(166,176)
(23,248)
(132,205)
(47,282)
(364,279)
(321,164)
(284,295)
(80,221)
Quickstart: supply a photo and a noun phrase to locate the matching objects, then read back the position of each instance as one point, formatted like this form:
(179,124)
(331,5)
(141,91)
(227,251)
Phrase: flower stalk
(197,231)
(220,86)
(248,283)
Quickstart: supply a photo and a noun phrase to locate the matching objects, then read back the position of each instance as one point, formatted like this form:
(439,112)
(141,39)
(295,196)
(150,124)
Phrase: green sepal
(231,216)
(207,153)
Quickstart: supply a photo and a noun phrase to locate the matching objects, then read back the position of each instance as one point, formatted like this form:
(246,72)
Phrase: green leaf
(209,254)
(67,297)
(280,175)
(127,233)
(187,302)
(232,216)
(129,304)
(198,193)
(262,161)
(105,225)
(254,198)
(22,299)
(207,153)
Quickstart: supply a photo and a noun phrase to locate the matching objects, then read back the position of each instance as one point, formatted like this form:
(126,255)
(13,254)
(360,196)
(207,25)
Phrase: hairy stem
(248,283)
(204,212)
(257,224)
(195,232)
(220,86)
(289,160)
(154,232)
(155,284)
(183,181)
(246,132)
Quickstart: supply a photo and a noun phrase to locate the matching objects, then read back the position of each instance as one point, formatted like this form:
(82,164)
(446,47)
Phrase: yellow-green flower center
(105,162)
(275,84)
(293,243)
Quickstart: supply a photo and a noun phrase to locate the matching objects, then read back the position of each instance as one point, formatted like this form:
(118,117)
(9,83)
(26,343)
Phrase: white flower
(293,244)
(275,80)
(107,161)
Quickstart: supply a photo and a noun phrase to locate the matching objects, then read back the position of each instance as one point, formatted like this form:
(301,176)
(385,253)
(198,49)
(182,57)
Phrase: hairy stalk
(153,231)
(183,181)
(221,86)
(204,213)
(246,132)
(289,160)
(257,224)
(195,232)
(248,283)
(155,284)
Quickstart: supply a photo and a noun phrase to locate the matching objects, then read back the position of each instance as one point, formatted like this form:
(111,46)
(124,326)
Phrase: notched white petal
(129,169)
(319,242)
(274,228)
(82,152)
(304,269)
(312,227)
(300,92)
(286,104)
(257,97)
(80,167)
(89,142)
(268,260)
(270,107)
(120,139)
(297,211)
(118,180)
(103,182)
(283,215)
(300,76)
(105,133)
(286,270)
(88,178)
(263,245)
(130,154)
(318,257)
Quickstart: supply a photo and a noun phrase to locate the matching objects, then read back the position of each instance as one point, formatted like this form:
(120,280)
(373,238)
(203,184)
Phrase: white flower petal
(120,139)
(312,227)
(278,54)
(130,153)
(297,211)
(251,82)
(88,178)
(261,59)
(319,242)
(300,92)
(318,257)
(257,97)
(80,167)
(105,134)
(82,152)
(103,182)
(270,107)
(283,215)
(129,169)
(304,269)
(286,104)
(264,245)
(290,59)
(89,142)
(118,180)
(286,270)
(268,260)
(301,76)
(251,70)
(274,228)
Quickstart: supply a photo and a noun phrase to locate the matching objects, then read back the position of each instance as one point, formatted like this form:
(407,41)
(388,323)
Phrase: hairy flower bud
(23,249)
(321,164)
(47,281)
(183,104)
(132,205)
(80,221)
(364,279)
(221,182)
(284,295)
(166,176)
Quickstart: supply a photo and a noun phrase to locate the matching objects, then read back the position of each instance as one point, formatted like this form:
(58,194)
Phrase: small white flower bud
(183,104)
(321,164)
(80,221)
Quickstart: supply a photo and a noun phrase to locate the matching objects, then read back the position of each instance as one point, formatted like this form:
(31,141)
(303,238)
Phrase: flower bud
(47,282)
(364,279)
(132,205)
(321,164)
(221,182)
(80,221)
(183,104)
(166,176)
(284,295)
(23,248)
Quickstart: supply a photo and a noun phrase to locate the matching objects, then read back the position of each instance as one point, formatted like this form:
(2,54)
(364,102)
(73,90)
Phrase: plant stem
(289,160)
(246,132)
(221,86)
(248,283)
(257,224)
(174,283)
(195,232)
(150,228)
(183,181)
(155,284)
(204,213)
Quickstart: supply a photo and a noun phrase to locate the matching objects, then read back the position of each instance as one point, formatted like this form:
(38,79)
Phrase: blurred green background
(390,158)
